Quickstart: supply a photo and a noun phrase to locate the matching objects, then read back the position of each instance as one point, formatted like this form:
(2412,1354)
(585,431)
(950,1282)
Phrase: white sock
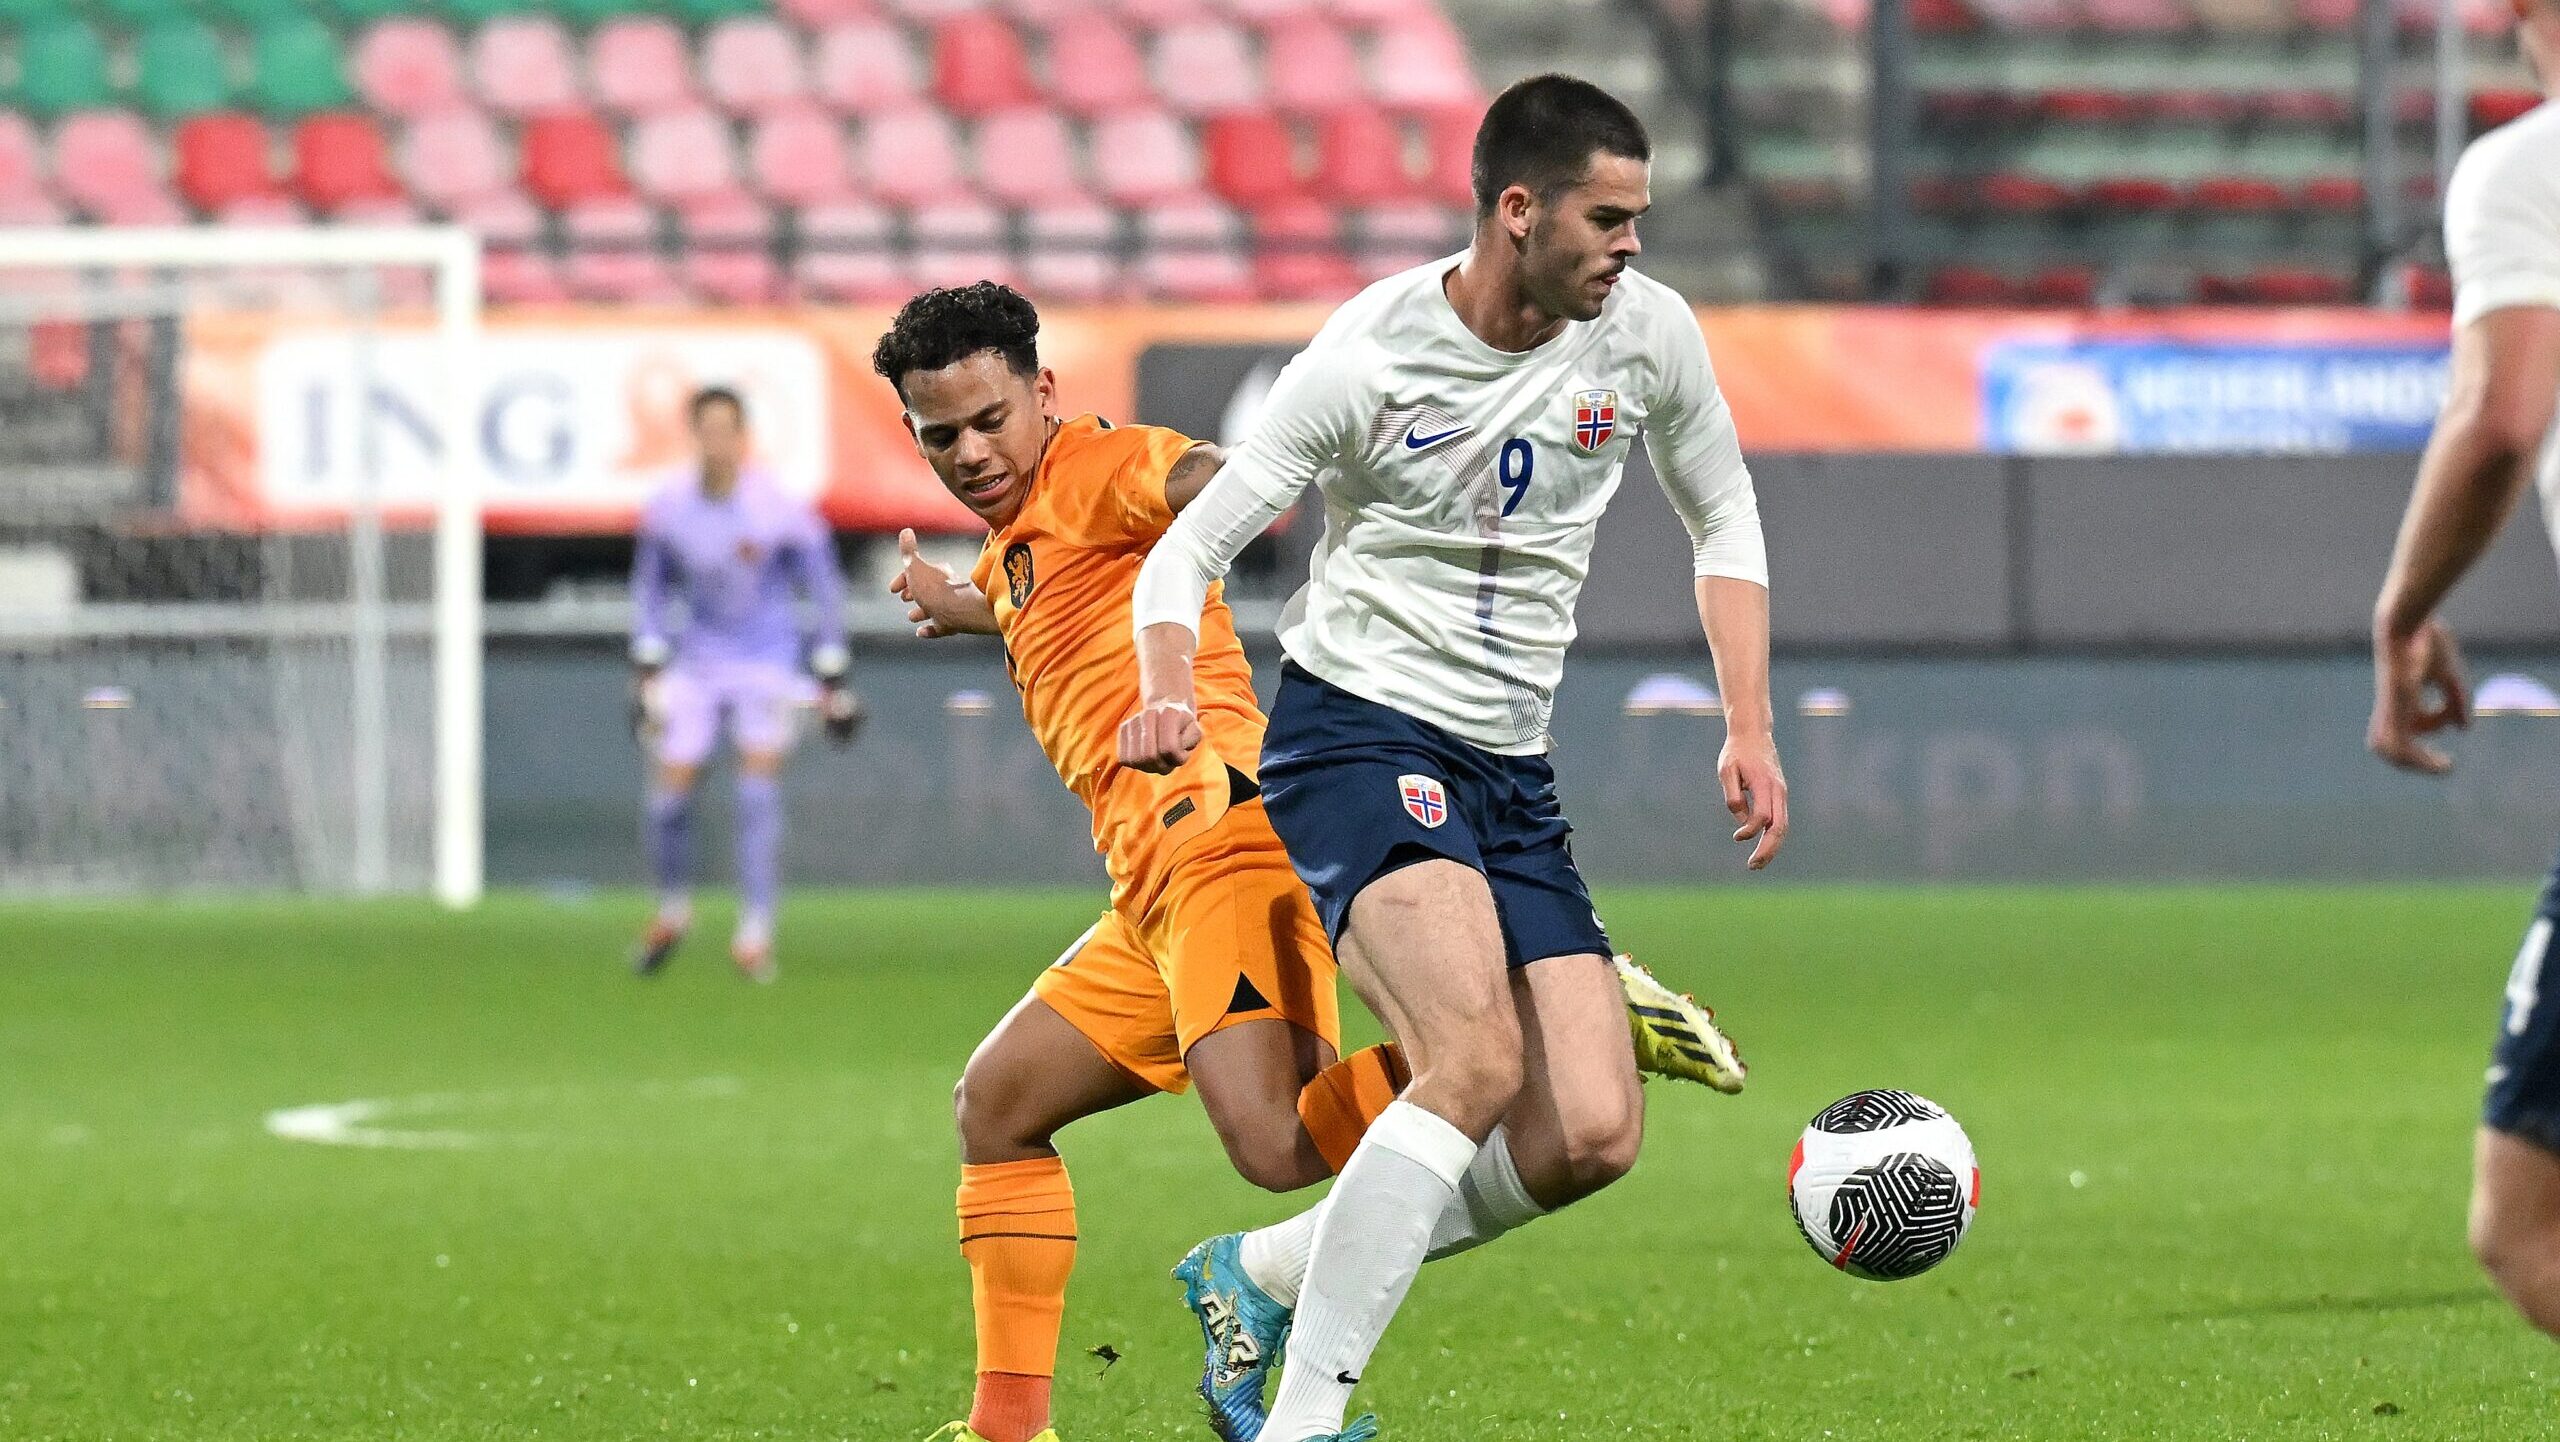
(675,909)
(1491,1201)
(1374,1230)
(755,928)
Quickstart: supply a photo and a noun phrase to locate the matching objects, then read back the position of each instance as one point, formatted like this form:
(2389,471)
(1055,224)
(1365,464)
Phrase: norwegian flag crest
(1423,799)
(1595,418)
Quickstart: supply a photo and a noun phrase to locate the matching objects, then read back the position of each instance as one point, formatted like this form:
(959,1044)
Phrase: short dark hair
(1542,133)
(946,326)
(709,396)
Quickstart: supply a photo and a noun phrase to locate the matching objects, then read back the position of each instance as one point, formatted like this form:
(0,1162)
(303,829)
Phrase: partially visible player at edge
(739,554)
(1210,965)
(2502,235)
(1466,423)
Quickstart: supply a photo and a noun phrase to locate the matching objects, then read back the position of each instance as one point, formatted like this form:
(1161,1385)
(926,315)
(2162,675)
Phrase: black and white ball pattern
(1884,1184)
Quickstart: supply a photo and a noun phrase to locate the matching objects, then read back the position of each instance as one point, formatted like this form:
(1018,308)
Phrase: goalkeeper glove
(838,706)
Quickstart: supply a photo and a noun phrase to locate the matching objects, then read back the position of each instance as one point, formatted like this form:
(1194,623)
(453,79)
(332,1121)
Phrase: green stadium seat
(472,12)
(143,14)
(181,70)
(365,12)
(36,12)
(249,14)
(297,69)
(702,12)
(62,66)
(590,12)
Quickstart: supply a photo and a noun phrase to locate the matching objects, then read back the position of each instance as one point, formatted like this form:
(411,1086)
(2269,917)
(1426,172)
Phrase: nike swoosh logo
(1413,441)
(1345,1378)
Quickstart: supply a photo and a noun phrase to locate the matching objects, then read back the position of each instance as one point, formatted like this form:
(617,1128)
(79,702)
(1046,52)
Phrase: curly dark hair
(946,326)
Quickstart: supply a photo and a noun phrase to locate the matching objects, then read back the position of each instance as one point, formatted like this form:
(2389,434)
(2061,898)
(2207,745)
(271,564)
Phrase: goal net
(239,561)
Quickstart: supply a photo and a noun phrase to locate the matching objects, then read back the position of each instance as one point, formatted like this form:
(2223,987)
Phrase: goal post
(277,672)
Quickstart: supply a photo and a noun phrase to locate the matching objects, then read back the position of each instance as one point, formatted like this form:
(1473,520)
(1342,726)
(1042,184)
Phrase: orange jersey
(1060,578)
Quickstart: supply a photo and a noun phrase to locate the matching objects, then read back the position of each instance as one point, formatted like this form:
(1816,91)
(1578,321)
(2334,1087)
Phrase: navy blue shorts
(1357,790)
(2524,1071)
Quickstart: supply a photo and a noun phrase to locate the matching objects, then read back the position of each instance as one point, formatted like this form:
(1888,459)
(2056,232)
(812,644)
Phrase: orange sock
(1018,1231)
(1337,1107)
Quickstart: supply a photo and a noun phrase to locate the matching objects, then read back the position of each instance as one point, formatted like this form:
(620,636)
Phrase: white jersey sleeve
(1698,458)
(2502,218)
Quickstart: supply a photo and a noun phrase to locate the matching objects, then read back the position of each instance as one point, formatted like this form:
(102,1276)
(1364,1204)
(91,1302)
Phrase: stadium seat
(1969,285)
(595,12)
(2068,286)
(1312,65)
(106,163)
(683,155)
(480,12)
(569,157)
(1422,63)
(1400,237)
(274,210)
(409,68)
(2243,194)
(455,160)
(1204,67)
(340,161)
(959,242)
(1025,157)
(752,65)
(143,14)
(705,12)
(32,209)
(979,66)
(62,67)
(2133,193)
(180,70)
(2282,285)
(1449,144)
(380,210)
(220,158)
(864,67)
(1094,67)
(613,252)
(1191,249)
(1252,159)
(1298,253)
(798,157)
(2245,17)
(1156,14)
(913,158)
(2019,194)
(2493,108)
(516,266)
(1270,14)
(522,66)
(640,65)
(2137,17)
(848,253)
(1143,157)
(1360,158)
(21,158)
(728,252)
(295,69)
(1382,14)
(251,14)
(2342,194)
(365,12)
(819,14)
(1072,251)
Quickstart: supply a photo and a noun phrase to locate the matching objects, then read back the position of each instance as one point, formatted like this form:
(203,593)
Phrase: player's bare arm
(1735,615)
(939,604)
(2506,376)
(1191,474)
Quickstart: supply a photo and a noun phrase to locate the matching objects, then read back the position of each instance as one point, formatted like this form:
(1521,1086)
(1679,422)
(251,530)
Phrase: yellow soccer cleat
(1674,1036)
(959,1432)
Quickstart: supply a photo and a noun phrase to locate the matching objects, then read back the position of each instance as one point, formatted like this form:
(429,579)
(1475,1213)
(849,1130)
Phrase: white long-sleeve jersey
(2502,236)
(1462,487)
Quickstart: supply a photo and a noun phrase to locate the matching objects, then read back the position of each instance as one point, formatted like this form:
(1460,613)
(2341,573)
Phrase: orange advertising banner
(578,412)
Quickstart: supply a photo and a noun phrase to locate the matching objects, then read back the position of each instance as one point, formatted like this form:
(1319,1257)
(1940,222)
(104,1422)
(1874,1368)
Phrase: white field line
(360,1122)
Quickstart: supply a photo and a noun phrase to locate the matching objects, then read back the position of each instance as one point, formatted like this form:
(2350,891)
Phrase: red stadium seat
(1157,14)
(379,210)
(273,210)
(1205,67)
(865,66)
(1192,249)
(2430,288)
(340,161)
(2133,193)
(913,158)
(2243,194)
(2303,107)
(32,209)
(640,65)
(106,164)
(728,255)
(959,242)
(514,266)
(847,254)
(220,159)
(1313,65)
(979,66)
(1943,17)
(21,158)
(613,253)
(683,155)
(1383,14)
(2493,108)
(2070,286)
(1449,142)
(2091,107)
(2138,17)
(568,158)
(798,157)
(1360,158)
(819,14)
(1970,285)
(1298,253)
(2279,286)
(409,68)
(1143,157)
(1397,238)
(752,66)
(1094,67)
(522,66)
(1268,13)
(1422,63)
(1071,251)
(455,159)
(1253,159)
(1025,157)
(2020,194)
(2340,193)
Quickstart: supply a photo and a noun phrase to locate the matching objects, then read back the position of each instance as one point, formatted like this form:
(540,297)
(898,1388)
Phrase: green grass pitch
(2224,1136)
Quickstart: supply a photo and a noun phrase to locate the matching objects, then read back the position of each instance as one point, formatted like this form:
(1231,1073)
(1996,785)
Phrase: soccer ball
(1883,1184)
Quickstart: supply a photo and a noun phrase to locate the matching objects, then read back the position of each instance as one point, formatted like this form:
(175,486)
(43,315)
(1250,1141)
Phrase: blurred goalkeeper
(736,554)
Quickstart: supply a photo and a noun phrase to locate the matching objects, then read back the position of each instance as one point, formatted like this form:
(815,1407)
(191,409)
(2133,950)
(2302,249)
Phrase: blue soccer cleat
(1245,1330)
(1364,1430)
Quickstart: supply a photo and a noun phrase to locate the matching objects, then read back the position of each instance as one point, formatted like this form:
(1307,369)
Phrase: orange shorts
(1231,938)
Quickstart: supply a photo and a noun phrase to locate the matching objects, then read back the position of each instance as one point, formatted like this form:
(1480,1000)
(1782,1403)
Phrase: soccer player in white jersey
(2502,234)
(1466,422)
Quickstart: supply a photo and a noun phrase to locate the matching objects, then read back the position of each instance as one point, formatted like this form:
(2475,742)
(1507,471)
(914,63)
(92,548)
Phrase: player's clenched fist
(1160,737)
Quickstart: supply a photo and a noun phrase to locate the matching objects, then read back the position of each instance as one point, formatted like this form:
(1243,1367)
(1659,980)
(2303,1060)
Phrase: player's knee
(1473,1085)
(1600,1145)
(1271,1157)
(992,1112)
